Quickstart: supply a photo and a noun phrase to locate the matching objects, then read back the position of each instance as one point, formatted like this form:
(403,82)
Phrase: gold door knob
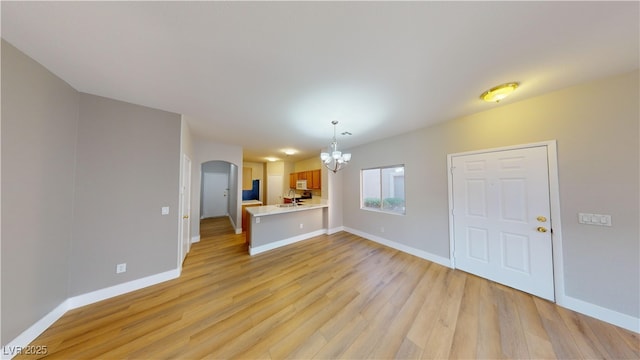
(185,217)
(541,229)
(541,219)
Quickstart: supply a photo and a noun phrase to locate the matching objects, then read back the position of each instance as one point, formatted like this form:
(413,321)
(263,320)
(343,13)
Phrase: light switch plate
(165,210)
(594,219)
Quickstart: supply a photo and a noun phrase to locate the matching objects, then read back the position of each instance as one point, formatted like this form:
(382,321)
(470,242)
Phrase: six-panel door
(501,214)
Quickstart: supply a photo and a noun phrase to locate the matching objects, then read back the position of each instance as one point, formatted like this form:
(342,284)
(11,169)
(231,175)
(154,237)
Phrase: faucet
(293,197)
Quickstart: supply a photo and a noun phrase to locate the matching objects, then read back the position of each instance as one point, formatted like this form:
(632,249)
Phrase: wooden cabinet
(307,176)
(312,176)
(316,175)
(245,215)
(293,177)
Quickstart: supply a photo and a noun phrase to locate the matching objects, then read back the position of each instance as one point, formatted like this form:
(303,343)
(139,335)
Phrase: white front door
(186,206)
(501,218)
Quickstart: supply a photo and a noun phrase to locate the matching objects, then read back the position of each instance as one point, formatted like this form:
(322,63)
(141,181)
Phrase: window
(382,189)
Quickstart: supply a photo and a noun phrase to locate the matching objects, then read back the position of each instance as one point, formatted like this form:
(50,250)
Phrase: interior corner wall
(128,168)
(186,139)
(39,122)
(596,126)
(335,196)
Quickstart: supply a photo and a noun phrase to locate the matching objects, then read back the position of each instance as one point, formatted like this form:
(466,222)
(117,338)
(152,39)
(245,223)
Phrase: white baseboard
(335,230)
(113,291)
(404,248)
(237,229)
(281,243)
(21,341)
(607,315)
(195,239)
(26,337)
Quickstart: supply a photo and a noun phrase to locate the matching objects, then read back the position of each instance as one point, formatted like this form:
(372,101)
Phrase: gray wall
(39,120)
(278,227)
(83,182)
(128,168)
(596,128)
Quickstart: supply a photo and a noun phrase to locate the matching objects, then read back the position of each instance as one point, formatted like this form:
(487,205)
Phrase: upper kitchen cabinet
(293,177)
(312,176)
(316,175)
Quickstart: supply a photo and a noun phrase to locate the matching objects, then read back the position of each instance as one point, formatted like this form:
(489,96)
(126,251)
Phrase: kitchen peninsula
(273,226)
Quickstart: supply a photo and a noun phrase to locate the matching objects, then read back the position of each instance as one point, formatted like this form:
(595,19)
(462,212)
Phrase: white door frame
(554,202)
(185,201)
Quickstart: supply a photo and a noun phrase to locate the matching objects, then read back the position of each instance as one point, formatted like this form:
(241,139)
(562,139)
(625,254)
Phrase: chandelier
(334,160)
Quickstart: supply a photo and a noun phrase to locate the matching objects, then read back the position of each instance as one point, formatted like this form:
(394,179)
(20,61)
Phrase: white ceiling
(273,75)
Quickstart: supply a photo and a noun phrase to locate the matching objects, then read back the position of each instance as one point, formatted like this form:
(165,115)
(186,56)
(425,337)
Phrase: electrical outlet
(120,268)
(301,226)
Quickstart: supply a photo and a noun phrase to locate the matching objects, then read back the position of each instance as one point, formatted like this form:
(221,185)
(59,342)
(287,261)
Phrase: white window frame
(391,190)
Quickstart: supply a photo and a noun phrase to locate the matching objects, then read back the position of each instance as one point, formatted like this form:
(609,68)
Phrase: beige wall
(313,163)
(596,128)
(39,121)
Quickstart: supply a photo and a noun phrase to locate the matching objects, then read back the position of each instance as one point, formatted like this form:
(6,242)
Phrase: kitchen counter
(273,226)
(278,209)
(251,202)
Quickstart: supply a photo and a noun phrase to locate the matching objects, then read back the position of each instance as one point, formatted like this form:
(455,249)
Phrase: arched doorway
(218,190)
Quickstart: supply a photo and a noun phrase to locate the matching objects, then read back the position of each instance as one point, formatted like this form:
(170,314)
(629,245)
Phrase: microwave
(301,185)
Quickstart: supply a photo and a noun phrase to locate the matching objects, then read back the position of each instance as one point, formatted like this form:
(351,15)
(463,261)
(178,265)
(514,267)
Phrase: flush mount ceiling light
(335,160)
(499,92)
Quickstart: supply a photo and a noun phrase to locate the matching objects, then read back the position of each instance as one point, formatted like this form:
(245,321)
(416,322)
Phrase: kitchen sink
(286,205)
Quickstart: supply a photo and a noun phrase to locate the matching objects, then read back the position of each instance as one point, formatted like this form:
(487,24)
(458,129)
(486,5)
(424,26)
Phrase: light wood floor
(337,296)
